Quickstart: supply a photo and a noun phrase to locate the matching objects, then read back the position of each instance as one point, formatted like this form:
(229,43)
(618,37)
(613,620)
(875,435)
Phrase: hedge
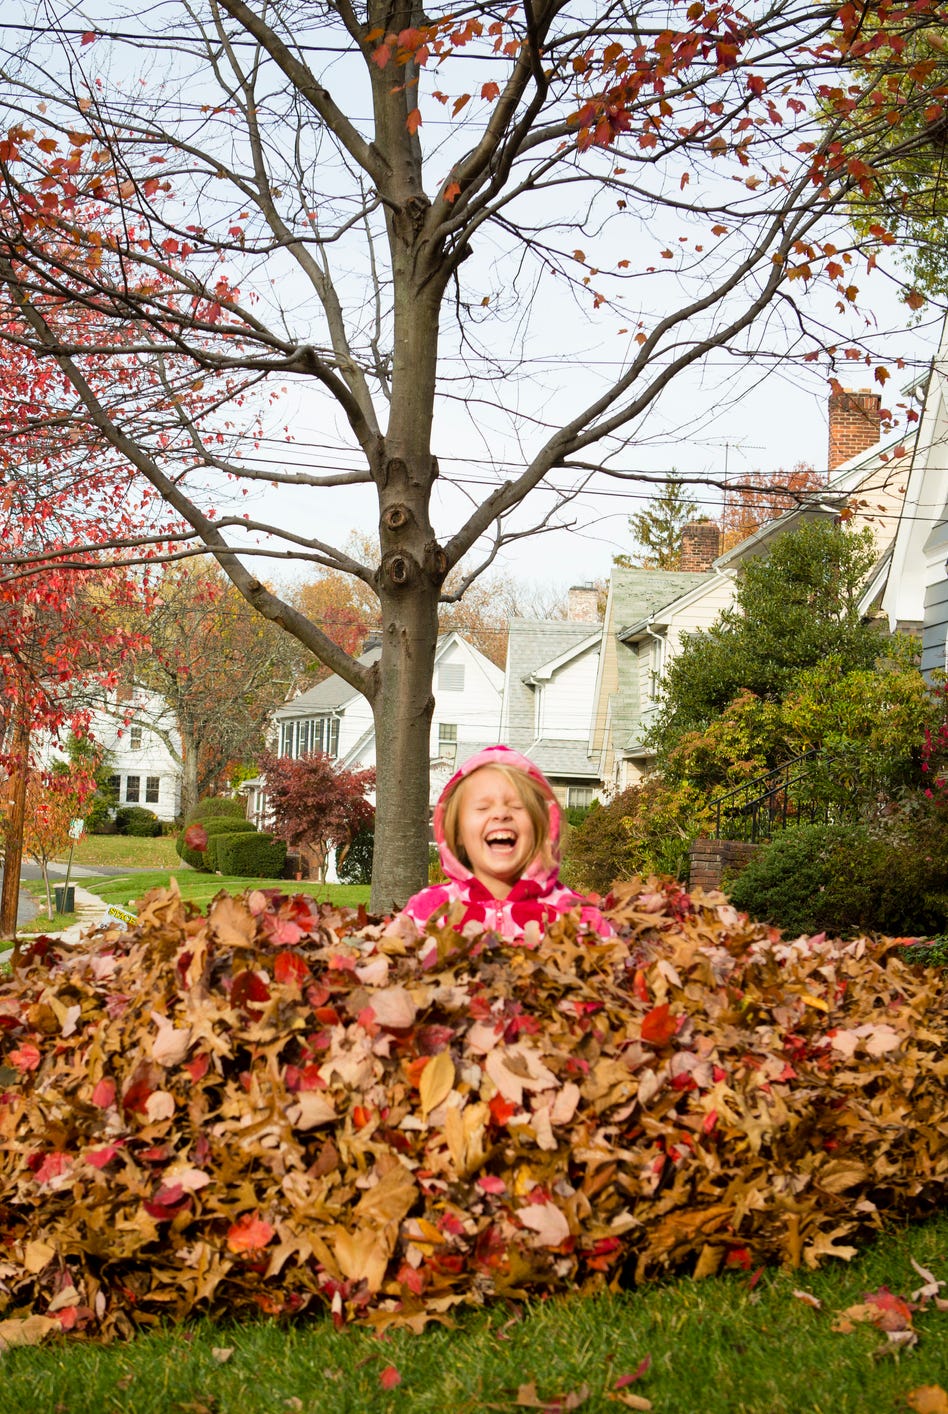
(215,838)
(136,820)
(216,805)
(251,856)
(845,879)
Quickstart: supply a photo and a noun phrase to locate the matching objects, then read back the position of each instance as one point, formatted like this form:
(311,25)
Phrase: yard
(751,1343)
(859,1336)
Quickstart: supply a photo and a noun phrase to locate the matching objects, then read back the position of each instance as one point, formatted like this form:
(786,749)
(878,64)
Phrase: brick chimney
(700,545)
(582,606)
(855,423)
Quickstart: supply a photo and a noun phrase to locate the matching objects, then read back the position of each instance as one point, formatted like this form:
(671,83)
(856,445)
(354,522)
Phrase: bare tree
(499,237)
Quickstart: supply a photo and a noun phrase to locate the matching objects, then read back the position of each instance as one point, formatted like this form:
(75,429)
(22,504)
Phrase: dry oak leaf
(30,1331)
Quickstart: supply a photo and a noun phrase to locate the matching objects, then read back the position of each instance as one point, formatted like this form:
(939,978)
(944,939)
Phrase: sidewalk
(90,910)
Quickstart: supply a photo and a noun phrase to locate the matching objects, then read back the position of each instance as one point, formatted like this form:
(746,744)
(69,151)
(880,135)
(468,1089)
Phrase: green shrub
(251,856)
(846,879)
(216,805)
(646,829)
(136,820)
(216,836)
(356,868)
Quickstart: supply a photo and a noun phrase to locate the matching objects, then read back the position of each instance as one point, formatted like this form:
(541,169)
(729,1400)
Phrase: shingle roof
(563,758)
(327,695)
(637,596)
(531,644)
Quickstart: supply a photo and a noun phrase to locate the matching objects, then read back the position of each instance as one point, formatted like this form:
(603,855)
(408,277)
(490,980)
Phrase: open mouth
(501,841)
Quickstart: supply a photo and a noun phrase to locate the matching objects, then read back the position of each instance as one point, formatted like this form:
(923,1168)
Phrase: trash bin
(65,898)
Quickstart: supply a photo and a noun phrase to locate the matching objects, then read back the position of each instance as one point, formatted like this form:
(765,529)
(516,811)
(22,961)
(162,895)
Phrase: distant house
(915,596)
(334,718)
(649,612)
(140,735)
(548,685)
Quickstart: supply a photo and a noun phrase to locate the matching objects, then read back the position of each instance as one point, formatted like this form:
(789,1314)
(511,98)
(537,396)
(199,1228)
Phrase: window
(451,677)
(447,741)
(132,788)
(152,789)
(578,797)
(304,735)
(115,785)
(135,738)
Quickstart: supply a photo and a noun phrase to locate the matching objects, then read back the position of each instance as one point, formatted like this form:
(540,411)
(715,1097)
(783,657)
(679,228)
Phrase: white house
(915,596)
(139,733)
(548,687)
(334,718)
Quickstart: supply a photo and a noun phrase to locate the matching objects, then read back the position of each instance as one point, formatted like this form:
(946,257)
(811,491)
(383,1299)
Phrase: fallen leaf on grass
(927,1399)
(527,1398)
(222,1353)
(30,1331)
(931,1287)
(390,1377)
(808,1300)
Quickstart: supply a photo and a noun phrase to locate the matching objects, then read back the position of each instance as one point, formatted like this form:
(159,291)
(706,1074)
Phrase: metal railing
(808,788)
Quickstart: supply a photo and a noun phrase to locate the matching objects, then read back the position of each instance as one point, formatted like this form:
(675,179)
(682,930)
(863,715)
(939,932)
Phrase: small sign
(117,915)
(76,828)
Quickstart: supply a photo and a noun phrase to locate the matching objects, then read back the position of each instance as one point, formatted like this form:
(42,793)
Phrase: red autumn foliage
(316,804)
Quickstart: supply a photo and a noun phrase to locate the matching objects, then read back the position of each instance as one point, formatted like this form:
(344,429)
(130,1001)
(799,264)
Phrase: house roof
(327,696)
(535,647)
(557,757)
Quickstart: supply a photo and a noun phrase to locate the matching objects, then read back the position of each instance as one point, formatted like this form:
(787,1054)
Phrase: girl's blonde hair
(535,803)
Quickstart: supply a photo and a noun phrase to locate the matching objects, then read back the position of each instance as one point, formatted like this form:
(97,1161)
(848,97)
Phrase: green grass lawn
(728,1345)
(126,852)
(127,891)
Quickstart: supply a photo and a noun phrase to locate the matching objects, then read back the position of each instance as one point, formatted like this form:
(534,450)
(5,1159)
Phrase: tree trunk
(189,771)
(403,706)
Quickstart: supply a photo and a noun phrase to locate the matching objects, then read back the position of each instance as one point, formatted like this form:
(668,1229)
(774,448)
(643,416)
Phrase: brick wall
(711,859)
(854,423)
(700,546)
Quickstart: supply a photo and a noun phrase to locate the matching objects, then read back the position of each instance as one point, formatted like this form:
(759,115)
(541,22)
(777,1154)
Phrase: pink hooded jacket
(537,896)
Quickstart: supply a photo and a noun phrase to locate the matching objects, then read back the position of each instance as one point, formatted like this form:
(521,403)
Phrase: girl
(497,825)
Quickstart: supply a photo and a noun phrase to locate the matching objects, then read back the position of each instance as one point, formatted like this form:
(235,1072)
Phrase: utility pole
(13,842)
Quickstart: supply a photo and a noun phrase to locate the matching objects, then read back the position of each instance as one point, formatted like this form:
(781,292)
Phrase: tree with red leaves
(763,497)
(387,218)
(317,805)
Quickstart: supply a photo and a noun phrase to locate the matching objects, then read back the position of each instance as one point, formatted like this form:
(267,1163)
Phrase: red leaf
(658,1025)
(413,121)
(642,1368)
(249,1234)
(103,1094)
(26,1057)
(195,837)
(249,992)
(290,967)
(389,1377)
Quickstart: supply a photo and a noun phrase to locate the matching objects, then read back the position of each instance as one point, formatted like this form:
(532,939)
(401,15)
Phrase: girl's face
(494,830)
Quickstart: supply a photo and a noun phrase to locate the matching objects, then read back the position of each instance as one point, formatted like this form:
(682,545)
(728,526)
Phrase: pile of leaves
(281,1106)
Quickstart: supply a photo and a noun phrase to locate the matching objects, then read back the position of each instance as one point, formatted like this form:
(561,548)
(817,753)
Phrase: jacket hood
(498,756)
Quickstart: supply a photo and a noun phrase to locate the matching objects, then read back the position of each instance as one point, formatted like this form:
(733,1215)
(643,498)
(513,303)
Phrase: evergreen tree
(658,529)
